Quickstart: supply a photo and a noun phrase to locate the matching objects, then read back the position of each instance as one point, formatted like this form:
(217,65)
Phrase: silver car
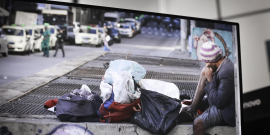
(3,44)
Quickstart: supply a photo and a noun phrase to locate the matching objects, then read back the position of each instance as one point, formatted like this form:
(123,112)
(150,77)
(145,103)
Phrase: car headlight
(116,36)
(78,36)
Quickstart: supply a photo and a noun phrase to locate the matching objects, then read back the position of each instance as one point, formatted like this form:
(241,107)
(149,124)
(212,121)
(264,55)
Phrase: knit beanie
(210,52)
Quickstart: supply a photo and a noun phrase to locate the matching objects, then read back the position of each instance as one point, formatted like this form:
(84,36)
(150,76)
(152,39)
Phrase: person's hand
(209,74)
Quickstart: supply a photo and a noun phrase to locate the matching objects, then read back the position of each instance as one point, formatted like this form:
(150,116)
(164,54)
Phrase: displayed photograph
(155,71)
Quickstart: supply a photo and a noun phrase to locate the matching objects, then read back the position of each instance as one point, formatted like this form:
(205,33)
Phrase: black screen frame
(173,16)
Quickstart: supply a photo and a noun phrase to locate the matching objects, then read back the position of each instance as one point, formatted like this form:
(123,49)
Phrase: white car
(38,36)
(30,33)
(17,38)
(137,23)
(53,38)
(125,29)
(70,34)
(88,36)
(3,44)
(40,29)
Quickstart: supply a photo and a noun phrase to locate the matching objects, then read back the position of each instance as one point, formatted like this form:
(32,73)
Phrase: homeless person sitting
(217,82)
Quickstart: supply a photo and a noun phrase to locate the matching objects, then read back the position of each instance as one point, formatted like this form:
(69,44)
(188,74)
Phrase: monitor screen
(186,71)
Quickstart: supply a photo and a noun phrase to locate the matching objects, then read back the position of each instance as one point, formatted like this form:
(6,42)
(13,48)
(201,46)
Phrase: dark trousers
(61,46)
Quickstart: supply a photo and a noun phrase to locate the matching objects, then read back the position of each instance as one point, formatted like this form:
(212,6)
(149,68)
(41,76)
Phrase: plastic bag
(136,70)
(85,88)
(106,91)
(166,88)
(123,88)
(158,114)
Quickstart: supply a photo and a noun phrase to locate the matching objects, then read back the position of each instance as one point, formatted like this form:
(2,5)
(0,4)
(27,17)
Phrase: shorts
(212,117)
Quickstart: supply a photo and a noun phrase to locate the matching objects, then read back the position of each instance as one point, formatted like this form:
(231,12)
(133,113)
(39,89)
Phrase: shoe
(53,55)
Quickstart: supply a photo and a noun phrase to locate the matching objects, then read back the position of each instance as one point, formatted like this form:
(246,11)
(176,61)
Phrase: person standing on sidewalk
(45,42)
(60,43)
(106,39)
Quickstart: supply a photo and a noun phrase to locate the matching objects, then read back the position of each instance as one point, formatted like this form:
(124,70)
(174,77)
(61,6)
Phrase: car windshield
(28,32)
(14,32)
(92,31)
(70,30)
(100,30)
(124,26)
(112,19)
(114,31)
(41,31)
(130,22)
(52,30)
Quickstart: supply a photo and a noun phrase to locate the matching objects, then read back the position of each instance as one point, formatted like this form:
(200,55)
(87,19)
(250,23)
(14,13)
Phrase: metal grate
(94,72)
(190,93)
(59,89)
(171,76)
(16,108)
(183,73)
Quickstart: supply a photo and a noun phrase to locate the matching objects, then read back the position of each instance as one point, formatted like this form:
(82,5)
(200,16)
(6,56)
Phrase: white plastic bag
(165,88)
(106,91)
(85,88)
(52,109)
(123,87)
(136,70)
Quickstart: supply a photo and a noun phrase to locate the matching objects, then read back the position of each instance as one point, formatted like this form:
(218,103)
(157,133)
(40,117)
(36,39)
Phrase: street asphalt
(151,42)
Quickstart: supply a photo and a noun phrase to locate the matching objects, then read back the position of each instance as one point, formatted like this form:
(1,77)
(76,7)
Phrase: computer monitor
(172,48)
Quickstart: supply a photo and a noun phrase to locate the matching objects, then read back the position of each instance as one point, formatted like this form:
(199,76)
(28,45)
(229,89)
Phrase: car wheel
(119,40)
(139,32)
(25,51)
(40,49)
(33,49)
(98,45)
(5,54)
(29,51)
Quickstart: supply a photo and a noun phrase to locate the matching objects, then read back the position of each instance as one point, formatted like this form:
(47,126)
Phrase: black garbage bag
(159,113)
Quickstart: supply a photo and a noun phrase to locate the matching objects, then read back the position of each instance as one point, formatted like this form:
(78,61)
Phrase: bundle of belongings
(151,104)
(80,105)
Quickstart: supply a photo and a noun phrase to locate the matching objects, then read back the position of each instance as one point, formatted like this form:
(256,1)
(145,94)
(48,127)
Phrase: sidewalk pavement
(25,85)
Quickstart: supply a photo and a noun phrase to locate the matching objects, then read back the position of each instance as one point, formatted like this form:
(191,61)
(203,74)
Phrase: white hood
(14,39)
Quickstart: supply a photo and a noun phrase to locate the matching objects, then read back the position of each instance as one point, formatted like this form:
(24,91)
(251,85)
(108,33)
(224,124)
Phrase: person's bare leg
(199,94)
(198,128)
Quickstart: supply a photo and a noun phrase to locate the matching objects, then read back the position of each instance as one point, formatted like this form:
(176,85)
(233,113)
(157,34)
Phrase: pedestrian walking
(106,39)
(60,43)
(45,42)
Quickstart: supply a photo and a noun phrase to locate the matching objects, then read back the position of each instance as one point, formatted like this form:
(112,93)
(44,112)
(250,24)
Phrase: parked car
(38,36)
(134,22)
(53,38)
(70,34)
(3,44)
(88,36)
(30,33)
(17,38)
(125,29)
